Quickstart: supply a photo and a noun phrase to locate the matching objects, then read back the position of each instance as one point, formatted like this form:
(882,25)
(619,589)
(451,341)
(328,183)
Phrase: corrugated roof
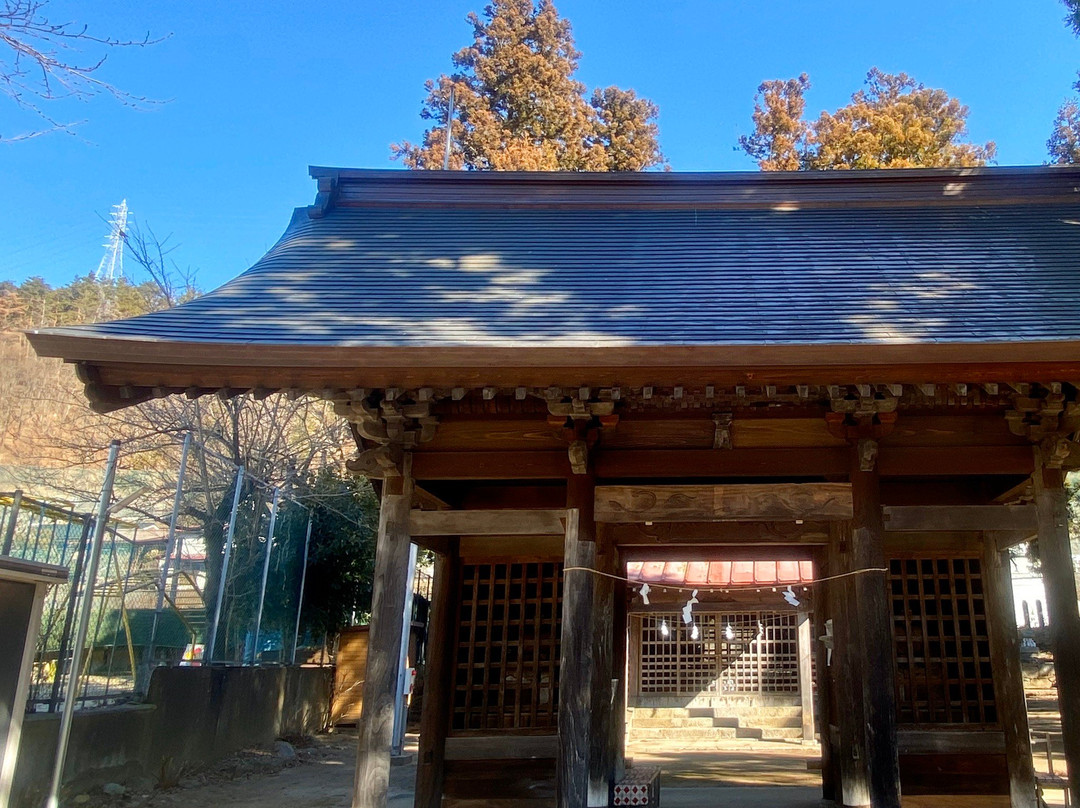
(721,573)
(455,274)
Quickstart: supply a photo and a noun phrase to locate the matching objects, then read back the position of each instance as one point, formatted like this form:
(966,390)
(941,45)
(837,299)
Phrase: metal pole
(69,617)
(13,516)
(170,548)
(85,608)
(303,581)
(255,656)
(403,657)
(208,651)
(449,130)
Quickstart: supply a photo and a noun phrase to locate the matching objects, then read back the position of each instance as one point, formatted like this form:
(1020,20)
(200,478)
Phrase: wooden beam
(917,518)
(690,463)
(538,522)
(804,643)
(615,464)
(384,643)
(1006,539)
(438,682)
(723,503)
(952,461)
(872,634)
(714,552)
(738,533)
(484,465)
(1008,678)
(1058,577)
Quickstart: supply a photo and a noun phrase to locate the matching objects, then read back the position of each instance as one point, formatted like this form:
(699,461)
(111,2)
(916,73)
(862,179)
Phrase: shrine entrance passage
(736,664)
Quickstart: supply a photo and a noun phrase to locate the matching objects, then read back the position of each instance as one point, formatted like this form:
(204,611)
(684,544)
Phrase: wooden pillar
(604,679)
(852,753)
(1008,679)
(388,593)
(620,671)
(576,647)
(438,679)
(1057,566)
(871,622)
(804,644)
(824,713)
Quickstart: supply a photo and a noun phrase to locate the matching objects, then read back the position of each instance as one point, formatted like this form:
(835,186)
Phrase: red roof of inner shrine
(721,573)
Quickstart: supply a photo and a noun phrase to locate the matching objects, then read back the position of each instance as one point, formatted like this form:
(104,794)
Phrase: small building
(874,371)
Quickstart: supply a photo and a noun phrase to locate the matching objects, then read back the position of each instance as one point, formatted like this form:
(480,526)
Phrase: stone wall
(191,716)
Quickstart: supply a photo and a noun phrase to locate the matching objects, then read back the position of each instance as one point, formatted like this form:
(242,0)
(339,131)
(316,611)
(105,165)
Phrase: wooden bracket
(1055,450)
(381,461)
(722,430)
(868,452)
(1039,418)
(395,424)
(853,427)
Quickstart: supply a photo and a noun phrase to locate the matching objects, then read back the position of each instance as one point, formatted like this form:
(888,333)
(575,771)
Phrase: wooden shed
(872,371)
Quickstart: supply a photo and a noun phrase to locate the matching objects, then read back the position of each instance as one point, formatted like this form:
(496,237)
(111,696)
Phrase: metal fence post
(13,517)
(84,622)
(303,581)
(170,548)
(208,651)
(255,655)
(69,617)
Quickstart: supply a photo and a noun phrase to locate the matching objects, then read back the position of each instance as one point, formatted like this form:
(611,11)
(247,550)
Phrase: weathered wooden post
(576,649)
(804,643)
(384,639)
(870,615)
(601,748)
(1051,503)
(852,752)
(1008,679)
(438,680)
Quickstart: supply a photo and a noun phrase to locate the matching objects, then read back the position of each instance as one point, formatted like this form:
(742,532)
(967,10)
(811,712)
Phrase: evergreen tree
(518,107)
(895,122)
(779,142)
(1064,143)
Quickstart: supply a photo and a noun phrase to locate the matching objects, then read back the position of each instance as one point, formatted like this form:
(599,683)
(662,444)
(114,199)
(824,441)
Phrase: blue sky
(255,92)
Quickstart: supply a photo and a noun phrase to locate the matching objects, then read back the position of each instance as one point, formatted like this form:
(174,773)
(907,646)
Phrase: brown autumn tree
(894,122)
(518,107)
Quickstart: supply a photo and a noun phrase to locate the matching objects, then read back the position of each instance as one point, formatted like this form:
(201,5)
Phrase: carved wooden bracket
(385,431)
(1039,418)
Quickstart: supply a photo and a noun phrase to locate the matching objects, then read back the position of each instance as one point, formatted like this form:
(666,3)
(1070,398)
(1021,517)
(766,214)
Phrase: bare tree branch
(42,61)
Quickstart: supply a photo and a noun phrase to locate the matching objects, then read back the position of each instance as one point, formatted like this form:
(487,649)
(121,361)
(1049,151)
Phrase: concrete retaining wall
(190,716)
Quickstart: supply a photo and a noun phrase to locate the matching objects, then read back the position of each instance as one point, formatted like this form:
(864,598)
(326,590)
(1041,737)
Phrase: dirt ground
(744,773)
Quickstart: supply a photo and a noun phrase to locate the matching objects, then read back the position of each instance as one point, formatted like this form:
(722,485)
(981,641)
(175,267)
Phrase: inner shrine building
(564,384)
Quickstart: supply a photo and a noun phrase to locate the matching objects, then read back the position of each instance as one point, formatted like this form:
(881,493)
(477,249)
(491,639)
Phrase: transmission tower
(112,262)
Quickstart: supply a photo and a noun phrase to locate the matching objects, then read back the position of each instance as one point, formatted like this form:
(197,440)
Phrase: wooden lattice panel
(507,657)
(941,642)
(740,652)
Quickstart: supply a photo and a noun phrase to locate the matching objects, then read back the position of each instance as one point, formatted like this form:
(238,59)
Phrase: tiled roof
(462,271)
(720,573)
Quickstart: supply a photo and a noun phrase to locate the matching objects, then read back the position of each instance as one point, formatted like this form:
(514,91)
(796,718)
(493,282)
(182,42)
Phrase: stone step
(673,722)
(681,733)
(781,733)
